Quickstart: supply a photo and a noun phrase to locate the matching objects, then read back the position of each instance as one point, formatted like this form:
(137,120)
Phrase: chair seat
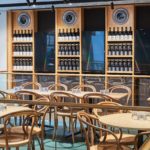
(18,130)
(126,138)
(146,145)
(107,147)
(13,140)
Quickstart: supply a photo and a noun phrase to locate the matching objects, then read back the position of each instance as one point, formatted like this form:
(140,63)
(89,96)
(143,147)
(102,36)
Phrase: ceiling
(47,4)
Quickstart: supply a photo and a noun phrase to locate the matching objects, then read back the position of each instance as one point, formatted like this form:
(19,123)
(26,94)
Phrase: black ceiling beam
(51,3)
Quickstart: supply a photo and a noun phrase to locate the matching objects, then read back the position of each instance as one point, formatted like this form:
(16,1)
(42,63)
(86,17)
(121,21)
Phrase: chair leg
(42,141)
(72,128)
(55,127)
(64,124)
(17,148)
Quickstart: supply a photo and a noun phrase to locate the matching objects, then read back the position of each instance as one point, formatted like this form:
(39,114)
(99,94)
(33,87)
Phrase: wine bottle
(109,34)
(14,35)
(130,33)
(113,34)
(117,34)
(109,50)
(122,34)
(74,34)
(78,34)
(59,35)
(129,65)
(14,64)
(77,49)
(120,65)
(126,34)
(77,64)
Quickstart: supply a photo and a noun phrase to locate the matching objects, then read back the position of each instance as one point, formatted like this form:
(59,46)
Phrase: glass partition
(97,82)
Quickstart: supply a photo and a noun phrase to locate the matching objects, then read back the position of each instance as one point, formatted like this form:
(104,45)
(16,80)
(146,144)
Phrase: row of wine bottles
(120,65)
(23,64)
(22,35)
(120,49)
(69,34)
(69,49)
(69,64)
(117,34)
(22,50)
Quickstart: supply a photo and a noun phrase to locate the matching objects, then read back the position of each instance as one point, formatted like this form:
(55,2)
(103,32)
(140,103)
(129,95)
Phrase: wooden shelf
(69,71)
(22,70)
(120,40)
(22,56)
(122,56)
(122,72)
(67,56)
(69,41)
(22,41)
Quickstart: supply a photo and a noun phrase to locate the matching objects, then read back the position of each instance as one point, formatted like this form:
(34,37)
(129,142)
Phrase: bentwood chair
(122,88)
(95,133)
(66,111)
(10,138)
(98,96)
(27,95)
(61,87)
(146,144)
(85,87)
(31,85)
(38,131)
(125,138)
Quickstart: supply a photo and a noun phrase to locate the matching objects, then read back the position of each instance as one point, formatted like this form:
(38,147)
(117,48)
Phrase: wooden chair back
(105,111)
(98,97)
(31,85)
(42,110)
(29,119)
(59,86)
(85,87)
(27,95)
(121,88)
(91,125)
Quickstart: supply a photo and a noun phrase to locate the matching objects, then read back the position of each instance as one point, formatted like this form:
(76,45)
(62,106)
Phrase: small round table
(124,120)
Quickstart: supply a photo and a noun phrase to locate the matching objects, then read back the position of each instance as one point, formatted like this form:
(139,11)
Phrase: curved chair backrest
(85,87)
(97,96)
(105,110)
(3,94)
(59,96)
(122,88)
(27,95)
(42,109)
(59,86)
(31,85)
(27,116)
(90,124)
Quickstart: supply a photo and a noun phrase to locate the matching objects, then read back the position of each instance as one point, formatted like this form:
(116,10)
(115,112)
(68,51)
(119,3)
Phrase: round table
(12,109)
(124,120)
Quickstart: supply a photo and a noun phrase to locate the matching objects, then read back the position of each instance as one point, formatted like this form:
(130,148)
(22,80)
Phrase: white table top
(12,109)
(116,96)
(124,120)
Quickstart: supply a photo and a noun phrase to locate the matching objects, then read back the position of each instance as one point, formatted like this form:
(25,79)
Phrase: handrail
(135,108)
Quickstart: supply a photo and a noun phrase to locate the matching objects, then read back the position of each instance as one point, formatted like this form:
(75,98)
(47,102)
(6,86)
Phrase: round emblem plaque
(69,17)
(24,20)
(120,16)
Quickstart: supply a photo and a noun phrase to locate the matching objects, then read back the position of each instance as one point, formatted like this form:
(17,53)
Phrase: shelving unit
(119,57)
(68,47)
(21,45)
(68,44)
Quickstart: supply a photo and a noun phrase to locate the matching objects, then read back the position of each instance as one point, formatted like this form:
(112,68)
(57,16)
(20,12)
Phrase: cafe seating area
(74,75)
(63,115)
